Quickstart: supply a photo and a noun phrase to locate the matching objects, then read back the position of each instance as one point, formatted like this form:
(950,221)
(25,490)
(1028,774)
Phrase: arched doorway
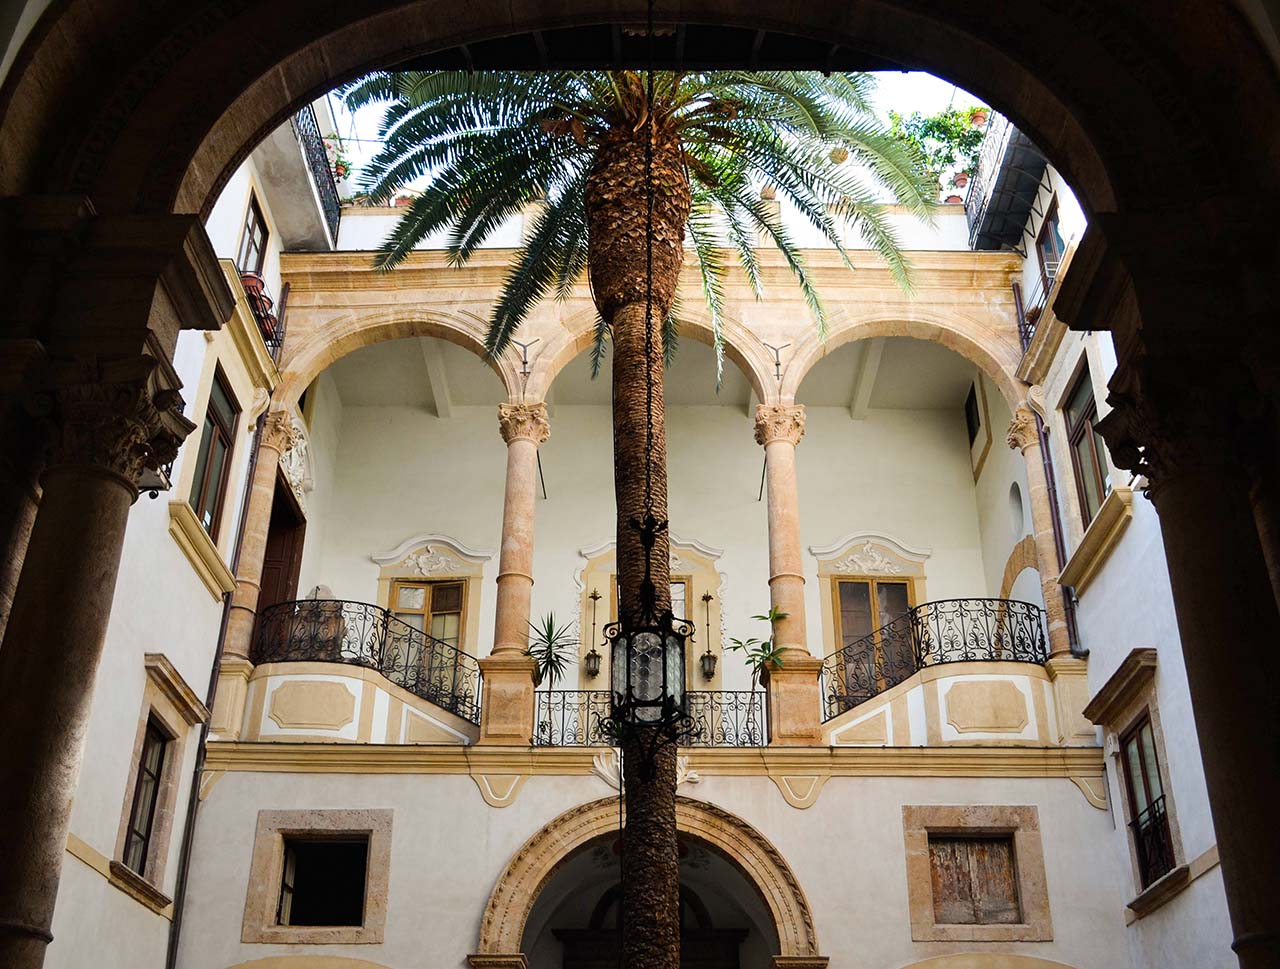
(530,900)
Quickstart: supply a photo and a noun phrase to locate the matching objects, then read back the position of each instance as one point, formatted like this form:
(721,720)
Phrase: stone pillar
(1183,422)
(22,457)
(506,712)
(111,420)
(278,436)
(1024,436)
(795,707)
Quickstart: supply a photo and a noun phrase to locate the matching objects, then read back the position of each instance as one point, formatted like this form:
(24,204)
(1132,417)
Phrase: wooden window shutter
(974,880)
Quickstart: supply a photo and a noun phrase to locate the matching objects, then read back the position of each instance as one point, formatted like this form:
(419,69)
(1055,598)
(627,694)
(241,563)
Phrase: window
(146,795)
(878,652)
(972,419)
(253,239)
(974,880)
(434,608)
(213,461)
(1087,447)
(323,882)
(1050,246)
(1149,824)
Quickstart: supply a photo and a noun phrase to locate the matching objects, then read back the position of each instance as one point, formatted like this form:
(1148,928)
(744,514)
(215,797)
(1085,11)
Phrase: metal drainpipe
(211,695)
(1059,542)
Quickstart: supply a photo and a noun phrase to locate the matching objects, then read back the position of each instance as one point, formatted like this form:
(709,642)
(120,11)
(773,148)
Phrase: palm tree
(614,158)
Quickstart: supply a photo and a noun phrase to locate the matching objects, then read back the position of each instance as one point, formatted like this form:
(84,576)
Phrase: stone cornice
(1099,540)
(169,681)
(1123,686)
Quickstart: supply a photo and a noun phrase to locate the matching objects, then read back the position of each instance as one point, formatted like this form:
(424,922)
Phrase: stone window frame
(1129,696)
(175,708)
(266,868)
(1022,822)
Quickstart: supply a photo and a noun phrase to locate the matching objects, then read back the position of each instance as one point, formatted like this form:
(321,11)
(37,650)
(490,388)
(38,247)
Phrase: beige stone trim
(199,549)
(1130,680)
(986,960)
(120,877)
(175,689)
(229,704)
(1094,790)
(1172,885)
(1100,539)
(263,899)
(245,335)
(531,867)
(1023,822)
(312,704)
(979,460)
(1021,557)
(499,790)
(309,962)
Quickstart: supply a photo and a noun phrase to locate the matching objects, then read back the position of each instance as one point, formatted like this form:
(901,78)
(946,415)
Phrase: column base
(506,706)
(795,700)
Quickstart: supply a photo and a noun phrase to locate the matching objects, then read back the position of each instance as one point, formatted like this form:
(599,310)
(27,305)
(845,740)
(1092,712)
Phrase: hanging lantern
(708,661)
(591,662)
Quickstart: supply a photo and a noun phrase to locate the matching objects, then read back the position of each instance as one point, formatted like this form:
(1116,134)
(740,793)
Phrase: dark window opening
(1087,447)
(972,419)
(213,461)
(1152,837)
(253,239)
(974,880)
(323,881)
(1050,247)
(146,796)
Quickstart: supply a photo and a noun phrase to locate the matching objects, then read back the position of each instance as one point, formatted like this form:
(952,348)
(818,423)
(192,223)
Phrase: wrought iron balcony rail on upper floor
(307,128)
(721,718)
(1153,841)
(270,317)
(1031,303)
(947,631)
(360,634)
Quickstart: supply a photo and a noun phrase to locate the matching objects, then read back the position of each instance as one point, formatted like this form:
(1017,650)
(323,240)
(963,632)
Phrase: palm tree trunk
(617,212)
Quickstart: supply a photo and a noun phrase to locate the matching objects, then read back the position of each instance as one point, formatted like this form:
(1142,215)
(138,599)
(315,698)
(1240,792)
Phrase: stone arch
(986,960)
(531,868)
(741,346)
(309,962)
(992,353)
(1022,557)
(305,360)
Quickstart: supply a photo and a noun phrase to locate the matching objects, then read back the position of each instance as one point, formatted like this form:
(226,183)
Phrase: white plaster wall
(97,925)
(323,436)
(1071,224)
(403,471)
(226,222)
(847,852)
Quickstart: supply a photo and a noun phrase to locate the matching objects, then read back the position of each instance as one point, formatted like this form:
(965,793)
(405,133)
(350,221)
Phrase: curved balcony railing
(360,634)
(947,631)
(721,718)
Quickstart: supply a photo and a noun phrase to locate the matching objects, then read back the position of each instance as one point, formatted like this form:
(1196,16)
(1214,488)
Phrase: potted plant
(760,654)
(978,117)
(960,179)
(953,199)
(552,648)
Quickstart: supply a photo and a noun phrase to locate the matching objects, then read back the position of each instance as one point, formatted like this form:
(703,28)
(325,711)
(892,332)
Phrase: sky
(901,91)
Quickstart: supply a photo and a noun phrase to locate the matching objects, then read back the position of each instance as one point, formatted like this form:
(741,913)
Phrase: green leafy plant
(760,654)
(949,139)
(553,648)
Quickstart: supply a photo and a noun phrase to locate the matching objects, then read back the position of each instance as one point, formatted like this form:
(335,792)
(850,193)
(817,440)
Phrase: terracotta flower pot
(953,199)
(961,179)
(978,119)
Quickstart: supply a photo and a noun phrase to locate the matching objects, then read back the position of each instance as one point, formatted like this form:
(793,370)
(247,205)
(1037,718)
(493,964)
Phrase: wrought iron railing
(947,631)
(270,317)
(307,129)
(1153,841)
(1031,303)
(360,634)
(990,156)
(721,718)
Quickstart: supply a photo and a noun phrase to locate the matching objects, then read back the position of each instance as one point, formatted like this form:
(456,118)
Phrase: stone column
(111,421)
(1183,422)
(1024,436)
(278,436)
(794,692)
(506,713)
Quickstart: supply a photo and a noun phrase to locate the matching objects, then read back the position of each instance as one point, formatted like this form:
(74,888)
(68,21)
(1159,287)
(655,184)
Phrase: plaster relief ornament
(607,765)
(296,465)
(868,560)
(432,561)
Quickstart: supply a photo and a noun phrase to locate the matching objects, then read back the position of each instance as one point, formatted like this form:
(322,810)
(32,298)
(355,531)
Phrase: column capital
(524,422)
(279,432)
(1023,431)
(120,415)
(779,422)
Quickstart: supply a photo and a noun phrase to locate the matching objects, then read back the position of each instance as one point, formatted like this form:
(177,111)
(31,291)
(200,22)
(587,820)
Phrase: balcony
(269,317)
(1031,304)
(360,634)
(1003,189)
(293,168)
(947,631)
(721,718)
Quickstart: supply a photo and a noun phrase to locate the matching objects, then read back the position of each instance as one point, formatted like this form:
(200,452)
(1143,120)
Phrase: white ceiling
(395,373)
(691,380)
(912,375)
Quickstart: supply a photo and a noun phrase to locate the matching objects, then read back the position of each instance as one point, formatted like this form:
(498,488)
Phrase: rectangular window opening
(972,419)
(975,880)
(323,880)
(213,460)
(146,797)
(253,239)
(1148,808)
(1088,450)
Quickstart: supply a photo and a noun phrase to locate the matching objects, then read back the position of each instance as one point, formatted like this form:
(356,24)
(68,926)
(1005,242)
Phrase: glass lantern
(648,671)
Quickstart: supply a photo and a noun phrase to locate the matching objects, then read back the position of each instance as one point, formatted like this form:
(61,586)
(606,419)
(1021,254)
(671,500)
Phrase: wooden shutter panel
(974,881)
(952,884)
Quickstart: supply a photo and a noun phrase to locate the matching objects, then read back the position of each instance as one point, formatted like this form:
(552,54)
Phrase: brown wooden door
(283,558)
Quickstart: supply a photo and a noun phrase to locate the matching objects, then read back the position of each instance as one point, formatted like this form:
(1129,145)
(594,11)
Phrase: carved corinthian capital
(1022,429)
(116,415)
(777,422)
(524,422)
(279,432)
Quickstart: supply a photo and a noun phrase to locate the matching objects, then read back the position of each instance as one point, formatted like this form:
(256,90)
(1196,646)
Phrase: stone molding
(465,555)
(532,866)
(1130,680)
(176,690)
(524,422)
(779,422)
(1099,541)
(200,550)
(1023,432)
